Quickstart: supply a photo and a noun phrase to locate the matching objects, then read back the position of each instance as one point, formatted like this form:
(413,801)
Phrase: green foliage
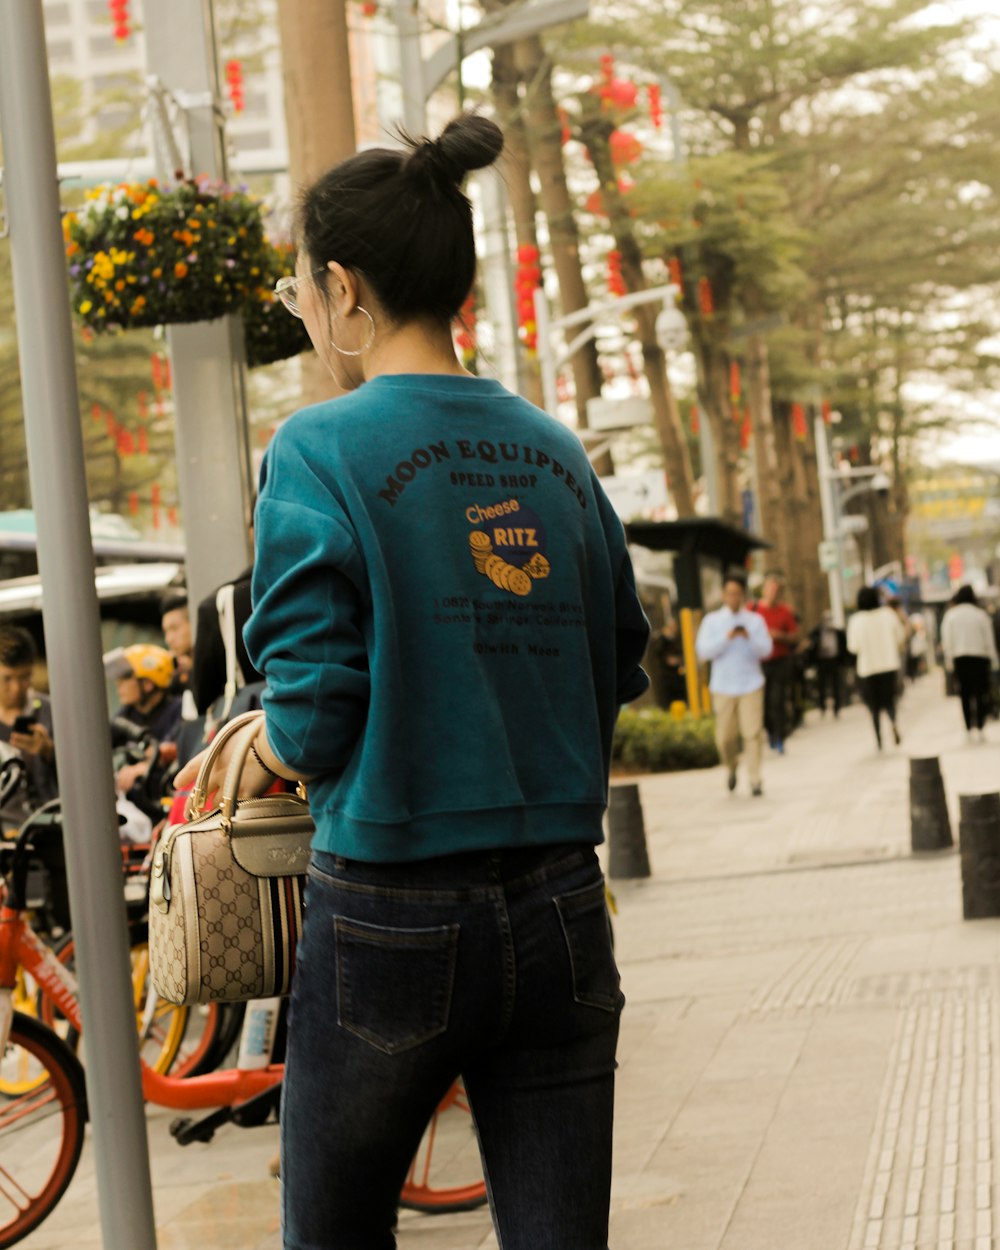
(142,254)
(655,741)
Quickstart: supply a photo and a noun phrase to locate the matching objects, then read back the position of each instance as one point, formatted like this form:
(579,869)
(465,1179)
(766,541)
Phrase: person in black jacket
(208,669)
(829,653)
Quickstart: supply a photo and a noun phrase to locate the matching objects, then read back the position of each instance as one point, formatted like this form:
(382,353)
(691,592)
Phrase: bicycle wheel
(19,1078)
(41,1131)
(448,1150)
(170,1039)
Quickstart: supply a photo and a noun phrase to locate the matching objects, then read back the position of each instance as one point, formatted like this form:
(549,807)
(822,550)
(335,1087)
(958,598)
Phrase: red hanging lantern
(616,282)
(695,420)
(234,82)
(827,412)
(142,400)
(133,502)
(746,430)
(625,148)
(527,278)
(705,301)
(676,273)
(735,390)
(96,412)
(655,105)
(126,443)
(119,19)
(143,441)
(156,370)
(369,8)
(799,422)
(172,517)
(623,94)
(565,134)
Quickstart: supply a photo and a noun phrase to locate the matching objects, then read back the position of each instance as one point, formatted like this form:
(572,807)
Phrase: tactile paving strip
(929,1180)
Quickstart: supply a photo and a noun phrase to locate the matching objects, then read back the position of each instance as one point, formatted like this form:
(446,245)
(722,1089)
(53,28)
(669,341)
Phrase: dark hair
(965,594)
(173,603)
(17,647)
(735,576)
(868,599)
(401,219)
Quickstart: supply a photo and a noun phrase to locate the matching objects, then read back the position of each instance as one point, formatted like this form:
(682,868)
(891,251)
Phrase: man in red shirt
(783,626)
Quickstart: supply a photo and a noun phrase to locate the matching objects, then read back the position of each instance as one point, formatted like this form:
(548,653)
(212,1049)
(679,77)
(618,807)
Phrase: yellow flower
(180,269)
(210,224)
(157,272)
(120,284)
(86,306)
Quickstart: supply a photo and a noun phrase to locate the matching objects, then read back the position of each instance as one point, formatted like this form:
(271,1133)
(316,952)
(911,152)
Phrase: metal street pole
(213,453)
(72,631)
(831,519)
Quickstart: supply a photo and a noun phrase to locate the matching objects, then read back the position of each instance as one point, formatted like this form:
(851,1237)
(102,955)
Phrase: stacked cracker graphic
(506,576)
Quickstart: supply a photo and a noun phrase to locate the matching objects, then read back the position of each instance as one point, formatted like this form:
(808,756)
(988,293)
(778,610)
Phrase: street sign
(828,556)
(634,494)
(619,414)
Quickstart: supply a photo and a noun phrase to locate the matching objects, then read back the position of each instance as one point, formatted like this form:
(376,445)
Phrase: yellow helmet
(144,659)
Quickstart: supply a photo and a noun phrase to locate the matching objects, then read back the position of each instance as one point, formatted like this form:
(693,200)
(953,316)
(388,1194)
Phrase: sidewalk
(809,1054)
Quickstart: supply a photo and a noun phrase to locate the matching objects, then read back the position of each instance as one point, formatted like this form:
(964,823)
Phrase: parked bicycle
(42,1127)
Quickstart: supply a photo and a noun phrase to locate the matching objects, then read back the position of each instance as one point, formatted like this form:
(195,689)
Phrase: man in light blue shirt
(736,640)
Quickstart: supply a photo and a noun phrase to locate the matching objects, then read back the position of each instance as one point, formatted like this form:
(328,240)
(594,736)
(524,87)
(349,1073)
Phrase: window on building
(101,45)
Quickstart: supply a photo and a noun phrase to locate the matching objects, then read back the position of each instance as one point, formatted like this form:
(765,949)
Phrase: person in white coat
(736,640)
(970,652)
(876,636)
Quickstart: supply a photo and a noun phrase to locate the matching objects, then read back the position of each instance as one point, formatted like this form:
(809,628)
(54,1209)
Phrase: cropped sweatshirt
(446,616)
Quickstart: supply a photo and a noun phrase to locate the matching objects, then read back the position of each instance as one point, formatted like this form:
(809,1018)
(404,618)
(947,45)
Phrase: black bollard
(930,826)
(627,855)
(979,839)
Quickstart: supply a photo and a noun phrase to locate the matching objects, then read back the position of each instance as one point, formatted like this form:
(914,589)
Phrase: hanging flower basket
(269,330)
(141,254)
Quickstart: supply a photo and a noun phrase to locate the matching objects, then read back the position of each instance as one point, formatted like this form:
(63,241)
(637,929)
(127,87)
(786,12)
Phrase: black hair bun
(468,142)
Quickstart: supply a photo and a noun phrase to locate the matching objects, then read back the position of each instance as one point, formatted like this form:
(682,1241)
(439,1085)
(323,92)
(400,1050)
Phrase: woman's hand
(254,779)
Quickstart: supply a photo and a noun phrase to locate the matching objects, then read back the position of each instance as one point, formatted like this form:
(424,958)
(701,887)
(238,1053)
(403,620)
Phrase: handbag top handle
(196,803)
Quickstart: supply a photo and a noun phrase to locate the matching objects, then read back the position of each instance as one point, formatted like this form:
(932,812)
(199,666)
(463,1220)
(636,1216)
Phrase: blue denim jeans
(496,966)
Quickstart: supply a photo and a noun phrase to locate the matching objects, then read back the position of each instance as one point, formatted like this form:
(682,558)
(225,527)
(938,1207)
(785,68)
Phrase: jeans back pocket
(583,915)
(394,986)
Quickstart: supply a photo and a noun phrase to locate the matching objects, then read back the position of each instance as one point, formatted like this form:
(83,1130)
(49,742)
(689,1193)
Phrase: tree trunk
(769,469)
(543,129)
(319,112)
(595,131)
(713,397)
(517,168)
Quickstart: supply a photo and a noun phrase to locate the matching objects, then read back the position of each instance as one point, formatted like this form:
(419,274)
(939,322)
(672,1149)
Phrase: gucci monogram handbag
(225,895)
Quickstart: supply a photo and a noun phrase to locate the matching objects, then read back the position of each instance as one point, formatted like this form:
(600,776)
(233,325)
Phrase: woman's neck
(414,349)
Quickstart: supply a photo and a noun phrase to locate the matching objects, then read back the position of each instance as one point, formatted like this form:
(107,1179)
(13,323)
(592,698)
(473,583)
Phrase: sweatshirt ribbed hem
(446,833)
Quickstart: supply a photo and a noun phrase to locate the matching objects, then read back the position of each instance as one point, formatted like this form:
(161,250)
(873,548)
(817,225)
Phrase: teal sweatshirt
(445,613)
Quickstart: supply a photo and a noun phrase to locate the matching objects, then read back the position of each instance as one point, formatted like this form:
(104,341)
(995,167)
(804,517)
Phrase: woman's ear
(343,288)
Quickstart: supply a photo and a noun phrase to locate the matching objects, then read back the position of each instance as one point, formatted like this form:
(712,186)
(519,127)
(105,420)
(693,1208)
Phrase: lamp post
(551,361)
(832,501)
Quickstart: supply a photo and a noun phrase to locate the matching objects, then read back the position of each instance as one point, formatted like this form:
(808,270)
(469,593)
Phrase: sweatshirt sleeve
(631,626)
(305,634)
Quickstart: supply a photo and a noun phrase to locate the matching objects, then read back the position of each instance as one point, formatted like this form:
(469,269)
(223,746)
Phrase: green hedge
(656,741)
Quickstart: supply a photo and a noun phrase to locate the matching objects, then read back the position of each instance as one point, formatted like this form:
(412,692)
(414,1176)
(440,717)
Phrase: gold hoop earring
(371,336)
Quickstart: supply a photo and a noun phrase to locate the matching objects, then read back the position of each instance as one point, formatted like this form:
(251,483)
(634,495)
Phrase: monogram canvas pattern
(234,936)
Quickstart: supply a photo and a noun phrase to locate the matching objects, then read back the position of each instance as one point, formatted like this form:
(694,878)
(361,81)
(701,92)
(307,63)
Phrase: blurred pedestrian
(736,640)
(828,645)
(783,626)
(445,613)
(970,652)
(25,727)
(875,636)
(175,622)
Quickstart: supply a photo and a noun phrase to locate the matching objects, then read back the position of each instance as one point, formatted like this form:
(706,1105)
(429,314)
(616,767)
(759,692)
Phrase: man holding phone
(25,726)
(736,641)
